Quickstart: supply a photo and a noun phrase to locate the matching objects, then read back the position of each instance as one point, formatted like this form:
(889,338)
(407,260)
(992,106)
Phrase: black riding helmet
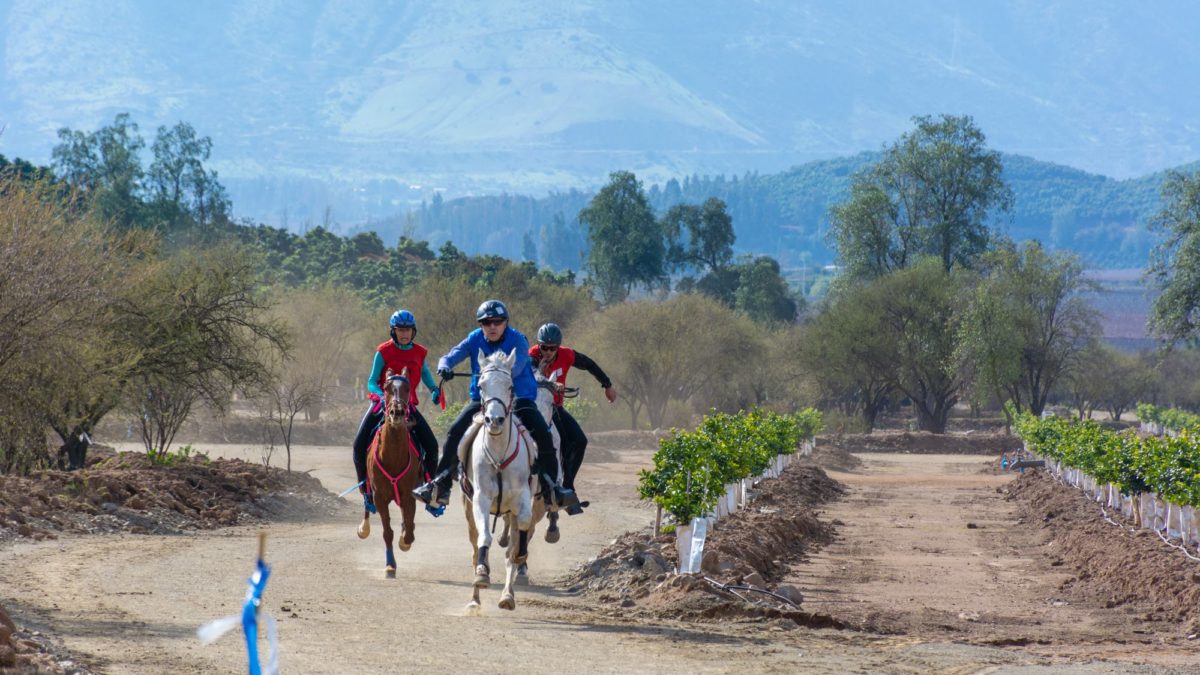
(550,334)
(491,309)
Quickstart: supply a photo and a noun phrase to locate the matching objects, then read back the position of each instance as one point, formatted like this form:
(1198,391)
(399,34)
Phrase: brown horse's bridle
(415,458)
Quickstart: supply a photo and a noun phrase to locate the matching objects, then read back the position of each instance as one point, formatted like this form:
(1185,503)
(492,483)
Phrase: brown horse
(393,468)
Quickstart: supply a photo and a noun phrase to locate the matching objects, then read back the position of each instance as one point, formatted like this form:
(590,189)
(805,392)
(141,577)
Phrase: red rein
(395,480)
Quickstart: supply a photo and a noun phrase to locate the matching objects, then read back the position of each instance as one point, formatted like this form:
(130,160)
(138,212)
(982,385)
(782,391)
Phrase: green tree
(931,194)
(178,182)
(626,242)
(763,294)
(701,237)
(106,165)
(1027,324)
(203,333)
(851,354)
(920,310)
(1175,262)
(676,342)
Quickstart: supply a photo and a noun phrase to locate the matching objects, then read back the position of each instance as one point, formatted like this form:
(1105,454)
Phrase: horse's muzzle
(494,424)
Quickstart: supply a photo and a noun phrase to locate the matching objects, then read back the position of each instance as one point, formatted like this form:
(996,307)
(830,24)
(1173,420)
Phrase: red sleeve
(570,356)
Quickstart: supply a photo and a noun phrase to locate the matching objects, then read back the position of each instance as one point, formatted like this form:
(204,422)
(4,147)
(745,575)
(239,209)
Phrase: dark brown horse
(393,468)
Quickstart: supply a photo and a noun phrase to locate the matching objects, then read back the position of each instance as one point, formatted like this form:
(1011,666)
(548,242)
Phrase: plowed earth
(907,563)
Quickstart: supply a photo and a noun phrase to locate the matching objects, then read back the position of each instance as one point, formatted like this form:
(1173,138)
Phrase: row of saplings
(695,471)
(1153,479)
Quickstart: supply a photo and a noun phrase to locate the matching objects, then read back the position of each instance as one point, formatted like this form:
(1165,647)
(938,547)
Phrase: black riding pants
(574,444)
(526,411)
(422,435)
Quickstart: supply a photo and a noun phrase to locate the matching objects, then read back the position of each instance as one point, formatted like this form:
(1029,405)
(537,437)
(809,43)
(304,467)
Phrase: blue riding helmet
(404,319)
(550,334)
(491,309)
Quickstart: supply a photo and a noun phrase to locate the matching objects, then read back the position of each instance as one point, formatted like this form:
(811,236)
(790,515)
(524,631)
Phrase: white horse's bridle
(505,405)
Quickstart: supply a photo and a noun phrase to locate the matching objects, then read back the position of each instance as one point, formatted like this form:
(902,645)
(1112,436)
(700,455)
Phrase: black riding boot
(438,488)
(552,491)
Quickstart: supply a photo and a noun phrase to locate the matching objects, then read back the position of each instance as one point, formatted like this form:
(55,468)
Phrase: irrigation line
(1157,518)
(1170,543)
(732,587)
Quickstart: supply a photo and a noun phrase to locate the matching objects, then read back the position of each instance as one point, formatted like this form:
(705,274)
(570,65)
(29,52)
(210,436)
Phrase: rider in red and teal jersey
(551,358)
(493,335)
(400,355)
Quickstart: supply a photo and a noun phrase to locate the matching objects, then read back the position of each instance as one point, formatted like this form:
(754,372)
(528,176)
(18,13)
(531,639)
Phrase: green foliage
(1168,466)
(626,242)
(691,469)
(1027,325)
(446,417)
(170,457)
(929,195)
(1175,263)
(580,408)
(1171,419)
(762,293)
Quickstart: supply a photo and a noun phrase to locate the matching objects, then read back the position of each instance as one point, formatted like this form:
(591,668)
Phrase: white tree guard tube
(696,553)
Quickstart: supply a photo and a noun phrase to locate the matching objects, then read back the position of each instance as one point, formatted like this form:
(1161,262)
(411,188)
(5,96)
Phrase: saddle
(465,447)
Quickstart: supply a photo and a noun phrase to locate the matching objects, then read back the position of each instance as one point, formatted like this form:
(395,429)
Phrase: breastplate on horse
(393,468)
(497,459)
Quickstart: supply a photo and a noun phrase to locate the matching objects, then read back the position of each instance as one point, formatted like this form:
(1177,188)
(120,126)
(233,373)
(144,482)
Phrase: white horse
(545,406)
(498,476)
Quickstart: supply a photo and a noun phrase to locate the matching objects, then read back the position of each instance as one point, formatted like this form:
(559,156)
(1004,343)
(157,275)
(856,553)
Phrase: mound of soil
(832,456)
(1117,564)
(752,547)
(924,442)
(125,492)
(23,651)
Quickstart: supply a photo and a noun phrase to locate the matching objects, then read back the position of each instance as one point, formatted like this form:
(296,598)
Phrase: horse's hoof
(472,608)
(482,581)
(503,540)
(404,546)
(552,535)
(508,602)
(390,573)
(364,530)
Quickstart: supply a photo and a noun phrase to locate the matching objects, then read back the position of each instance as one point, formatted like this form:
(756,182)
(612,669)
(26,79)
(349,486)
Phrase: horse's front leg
(408,509)
(472,535)
(385,519)
(508,600)
(481,507)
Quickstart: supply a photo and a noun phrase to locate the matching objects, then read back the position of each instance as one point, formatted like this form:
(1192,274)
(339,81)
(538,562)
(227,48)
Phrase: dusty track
(130,604)
(928,547)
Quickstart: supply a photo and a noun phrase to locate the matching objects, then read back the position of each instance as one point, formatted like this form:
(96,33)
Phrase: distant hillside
(365,106)
(785,215)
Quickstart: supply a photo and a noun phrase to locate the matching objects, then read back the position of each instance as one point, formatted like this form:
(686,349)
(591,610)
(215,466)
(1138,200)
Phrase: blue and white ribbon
(248,619)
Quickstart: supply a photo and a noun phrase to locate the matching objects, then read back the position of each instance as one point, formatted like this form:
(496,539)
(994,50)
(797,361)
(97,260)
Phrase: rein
(414,458)
(512,427)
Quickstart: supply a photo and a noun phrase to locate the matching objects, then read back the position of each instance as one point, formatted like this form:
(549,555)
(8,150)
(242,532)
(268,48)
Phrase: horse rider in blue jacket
(494,334)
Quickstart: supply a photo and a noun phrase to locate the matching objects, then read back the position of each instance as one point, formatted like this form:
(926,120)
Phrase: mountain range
(363,108)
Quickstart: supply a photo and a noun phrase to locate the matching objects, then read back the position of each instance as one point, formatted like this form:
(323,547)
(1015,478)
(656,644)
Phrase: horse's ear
(404,373)
(482,357)
(388,373)
(511,358)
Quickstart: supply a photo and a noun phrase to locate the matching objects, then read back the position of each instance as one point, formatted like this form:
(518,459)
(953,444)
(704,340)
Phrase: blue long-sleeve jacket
(524,385)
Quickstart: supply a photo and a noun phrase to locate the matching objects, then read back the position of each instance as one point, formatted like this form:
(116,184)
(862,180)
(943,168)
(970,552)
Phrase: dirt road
(130,604)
